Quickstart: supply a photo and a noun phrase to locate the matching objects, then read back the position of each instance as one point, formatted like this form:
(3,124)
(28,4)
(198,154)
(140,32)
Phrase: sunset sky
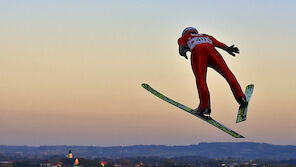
(71,71)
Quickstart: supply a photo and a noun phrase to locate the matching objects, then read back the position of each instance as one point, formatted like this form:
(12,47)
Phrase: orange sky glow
(71,72)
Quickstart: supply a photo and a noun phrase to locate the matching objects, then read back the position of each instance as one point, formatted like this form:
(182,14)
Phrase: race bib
(198,40)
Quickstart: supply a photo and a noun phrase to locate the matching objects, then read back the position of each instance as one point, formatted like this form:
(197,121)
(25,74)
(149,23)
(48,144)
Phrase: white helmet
(189,29)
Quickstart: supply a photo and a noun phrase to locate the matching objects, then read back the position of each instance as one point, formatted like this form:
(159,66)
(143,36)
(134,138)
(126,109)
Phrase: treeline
(246,150)
(186,161)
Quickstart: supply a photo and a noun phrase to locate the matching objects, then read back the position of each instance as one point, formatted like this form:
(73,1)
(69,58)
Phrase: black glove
(182,51)
(232,49)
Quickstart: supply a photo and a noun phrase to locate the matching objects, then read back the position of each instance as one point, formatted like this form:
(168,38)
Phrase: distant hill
(245,150)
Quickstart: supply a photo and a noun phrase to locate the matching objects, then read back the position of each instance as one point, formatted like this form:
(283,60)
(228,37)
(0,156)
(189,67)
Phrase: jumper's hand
(182,51)
(232,49)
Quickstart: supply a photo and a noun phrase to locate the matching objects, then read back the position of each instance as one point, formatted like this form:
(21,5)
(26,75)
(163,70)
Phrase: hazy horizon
(73,145)
(71,71)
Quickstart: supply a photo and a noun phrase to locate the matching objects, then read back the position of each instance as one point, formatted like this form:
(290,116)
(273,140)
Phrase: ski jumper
(204,54)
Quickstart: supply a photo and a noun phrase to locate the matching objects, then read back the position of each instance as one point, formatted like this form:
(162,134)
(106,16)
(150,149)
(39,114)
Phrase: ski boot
(197,111)
(243,102)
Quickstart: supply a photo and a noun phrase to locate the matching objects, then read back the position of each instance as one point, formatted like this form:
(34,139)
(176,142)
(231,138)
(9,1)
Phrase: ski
(189,110)
(242,111)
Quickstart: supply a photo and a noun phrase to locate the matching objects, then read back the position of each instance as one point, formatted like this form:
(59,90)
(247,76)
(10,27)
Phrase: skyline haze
(71,71)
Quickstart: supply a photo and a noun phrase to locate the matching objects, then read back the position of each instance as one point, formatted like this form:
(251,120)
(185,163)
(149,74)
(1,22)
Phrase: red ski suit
(204,54)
